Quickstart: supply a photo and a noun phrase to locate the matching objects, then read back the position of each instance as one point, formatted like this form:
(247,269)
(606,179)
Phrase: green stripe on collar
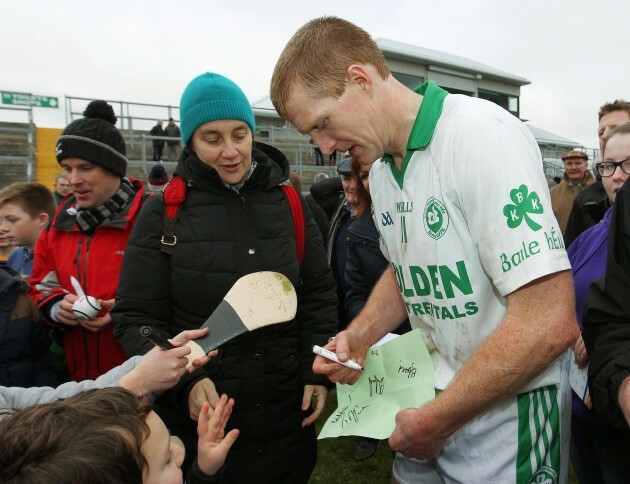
(423,127)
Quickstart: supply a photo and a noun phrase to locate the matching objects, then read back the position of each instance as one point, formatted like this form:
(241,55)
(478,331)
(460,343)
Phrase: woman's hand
(320,393)
(203,391)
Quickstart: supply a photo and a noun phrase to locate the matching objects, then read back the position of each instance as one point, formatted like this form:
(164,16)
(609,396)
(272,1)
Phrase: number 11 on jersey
(403,225)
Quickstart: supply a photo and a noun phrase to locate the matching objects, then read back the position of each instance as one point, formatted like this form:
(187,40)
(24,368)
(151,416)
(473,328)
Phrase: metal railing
(281,134)
(127,112)
(300,155)
(553,167)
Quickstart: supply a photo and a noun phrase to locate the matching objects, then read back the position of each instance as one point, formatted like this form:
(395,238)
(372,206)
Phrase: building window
(451,90)
(412,82)
(510,103)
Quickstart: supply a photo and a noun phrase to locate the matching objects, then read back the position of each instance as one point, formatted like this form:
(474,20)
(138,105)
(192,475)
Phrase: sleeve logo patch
(386,219)
(435,218)
(525,204)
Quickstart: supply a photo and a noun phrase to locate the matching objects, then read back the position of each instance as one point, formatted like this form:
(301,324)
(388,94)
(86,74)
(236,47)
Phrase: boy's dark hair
(94,436)
(621,129)
(617,105)
(33,198)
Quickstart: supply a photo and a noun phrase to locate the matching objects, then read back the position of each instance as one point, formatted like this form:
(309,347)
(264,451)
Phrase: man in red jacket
(86,240)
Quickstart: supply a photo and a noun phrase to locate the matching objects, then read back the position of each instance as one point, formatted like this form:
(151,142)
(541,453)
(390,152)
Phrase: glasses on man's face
(607,168)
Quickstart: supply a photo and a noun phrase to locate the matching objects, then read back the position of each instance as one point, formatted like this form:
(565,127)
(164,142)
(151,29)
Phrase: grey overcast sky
(573,52)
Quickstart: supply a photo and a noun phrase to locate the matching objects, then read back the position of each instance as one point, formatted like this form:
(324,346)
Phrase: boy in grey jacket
(156,371)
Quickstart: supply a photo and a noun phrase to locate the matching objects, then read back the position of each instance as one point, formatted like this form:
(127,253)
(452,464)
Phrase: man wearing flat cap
(576,178)
(86,240)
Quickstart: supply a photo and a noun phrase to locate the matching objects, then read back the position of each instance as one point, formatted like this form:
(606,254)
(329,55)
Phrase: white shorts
(523,440)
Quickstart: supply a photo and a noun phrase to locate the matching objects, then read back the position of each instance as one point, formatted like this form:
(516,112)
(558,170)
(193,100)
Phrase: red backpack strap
(174,195)
(298,219)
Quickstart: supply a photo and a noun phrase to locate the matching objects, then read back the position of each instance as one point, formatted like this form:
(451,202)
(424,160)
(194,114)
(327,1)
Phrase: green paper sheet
(398,374)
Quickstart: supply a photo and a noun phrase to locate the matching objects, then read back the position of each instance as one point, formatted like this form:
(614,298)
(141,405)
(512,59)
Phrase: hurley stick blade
(254,301)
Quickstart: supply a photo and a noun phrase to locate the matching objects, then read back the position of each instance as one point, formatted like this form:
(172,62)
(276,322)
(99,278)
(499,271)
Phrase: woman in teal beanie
(234,220)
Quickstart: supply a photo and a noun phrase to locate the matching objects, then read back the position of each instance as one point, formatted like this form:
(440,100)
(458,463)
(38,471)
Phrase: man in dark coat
(158,144)
(172,145)
(61,188)
(328,193)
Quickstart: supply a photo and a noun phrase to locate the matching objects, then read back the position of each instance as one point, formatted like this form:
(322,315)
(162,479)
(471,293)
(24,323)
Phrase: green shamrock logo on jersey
(525,203)
(544,475)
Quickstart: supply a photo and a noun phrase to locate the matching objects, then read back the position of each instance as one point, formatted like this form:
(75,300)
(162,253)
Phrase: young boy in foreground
(109,435)
(150,374)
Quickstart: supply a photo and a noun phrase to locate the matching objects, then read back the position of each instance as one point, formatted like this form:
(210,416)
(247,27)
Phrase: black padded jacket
(221,236)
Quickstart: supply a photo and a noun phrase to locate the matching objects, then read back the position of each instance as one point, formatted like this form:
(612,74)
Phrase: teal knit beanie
(212,97)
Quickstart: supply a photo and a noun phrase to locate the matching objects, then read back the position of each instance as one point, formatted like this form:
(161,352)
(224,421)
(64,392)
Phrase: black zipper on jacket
(77,259)
(85,265)
(82,276)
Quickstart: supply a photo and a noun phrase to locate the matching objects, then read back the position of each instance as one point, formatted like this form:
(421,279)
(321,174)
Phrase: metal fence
(131,115)
(300,155)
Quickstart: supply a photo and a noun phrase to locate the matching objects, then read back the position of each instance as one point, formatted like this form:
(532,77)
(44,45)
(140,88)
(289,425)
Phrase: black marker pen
(155,338)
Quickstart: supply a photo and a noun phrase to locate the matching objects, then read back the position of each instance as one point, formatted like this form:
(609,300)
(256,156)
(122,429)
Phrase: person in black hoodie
(235,220)
(607,310)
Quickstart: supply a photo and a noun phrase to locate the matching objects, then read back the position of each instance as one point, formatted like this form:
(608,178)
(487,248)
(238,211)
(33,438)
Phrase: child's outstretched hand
(213,444)
(160,370)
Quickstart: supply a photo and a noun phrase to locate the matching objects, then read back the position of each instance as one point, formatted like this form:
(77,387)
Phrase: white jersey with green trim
(466,222)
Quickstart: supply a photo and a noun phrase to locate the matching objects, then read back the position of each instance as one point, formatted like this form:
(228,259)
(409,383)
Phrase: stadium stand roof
(393,49)
(548,138)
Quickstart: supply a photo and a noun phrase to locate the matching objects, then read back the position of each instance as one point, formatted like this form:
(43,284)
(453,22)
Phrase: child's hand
(186,336)
(213,444)
(160,370)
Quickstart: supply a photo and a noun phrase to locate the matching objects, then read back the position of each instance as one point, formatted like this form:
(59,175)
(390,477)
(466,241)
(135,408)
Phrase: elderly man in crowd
(576,178)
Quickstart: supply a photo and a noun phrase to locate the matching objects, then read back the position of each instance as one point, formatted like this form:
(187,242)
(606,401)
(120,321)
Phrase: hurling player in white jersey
(477,262)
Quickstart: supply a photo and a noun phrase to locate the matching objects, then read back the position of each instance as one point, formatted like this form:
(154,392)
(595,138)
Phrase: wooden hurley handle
(196,352)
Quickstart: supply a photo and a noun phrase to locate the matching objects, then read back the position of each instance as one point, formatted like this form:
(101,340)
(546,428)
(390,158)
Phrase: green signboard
(22,99)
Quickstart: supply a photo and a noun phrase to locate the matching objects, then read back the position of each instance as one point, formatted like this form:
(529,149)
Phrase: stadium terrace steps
(14,154)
